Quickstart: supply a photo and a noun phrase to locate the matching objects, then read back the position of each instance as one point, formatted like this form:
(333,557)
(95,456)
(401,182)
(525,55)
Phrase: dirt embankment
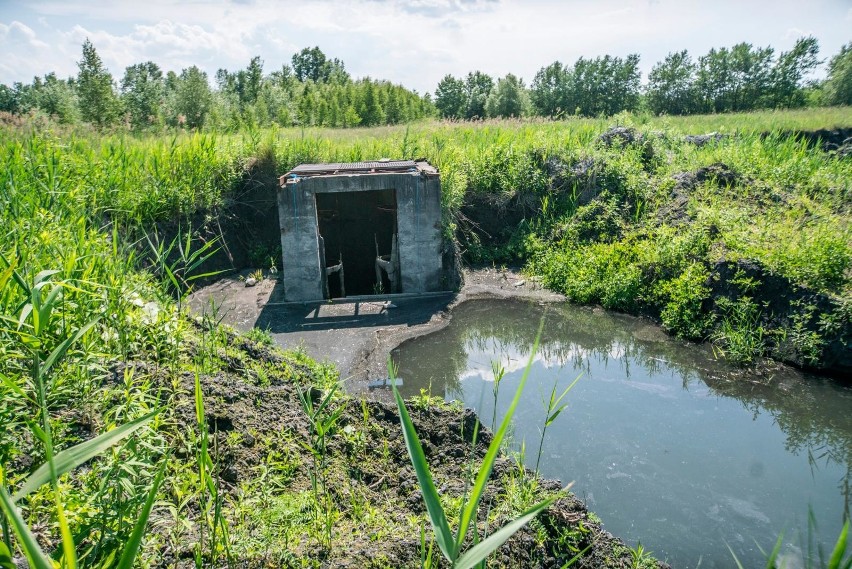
(369,472)
(800,326)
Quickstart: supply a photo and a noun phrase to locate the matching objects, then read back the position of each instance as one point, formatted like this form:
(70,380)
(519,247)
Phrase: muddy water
(665,447)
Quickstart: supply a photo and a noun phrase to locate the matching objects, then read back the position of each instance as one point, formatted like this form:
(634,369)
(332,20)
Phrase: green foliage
(477,86)
(671,85)
(46,342)
(450,98)
(260,336)
(740,335)
(312,64)
(98,103)
(790,70)
(316,91)
(552,409)
(508,98)
(449,544)
(549,92)
(143,93)
(323,416)
(837,89)
(50,95)
(602,86)
(178,262)
(600,273)
(190,98)
(641,557)
(683,300)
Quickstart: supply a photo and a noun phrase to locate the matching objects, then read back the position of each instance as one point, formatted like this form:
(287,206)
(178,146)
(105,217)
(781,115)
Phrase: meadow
(744,241)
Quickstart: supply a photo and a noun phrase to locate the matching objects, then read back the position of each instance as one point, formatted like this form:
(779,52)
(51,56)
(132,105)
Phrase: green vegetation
(317,91)
(642,222)
(314,91)
(449,544)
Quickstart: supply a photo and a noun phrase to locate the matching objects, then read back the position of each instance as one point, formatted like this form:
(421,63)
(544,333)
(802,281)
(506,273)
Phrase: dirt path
(355,336)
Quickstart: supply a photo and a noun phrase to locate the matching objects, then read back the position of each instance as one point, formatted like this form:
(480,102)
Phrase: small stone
(520,283)
(251,281)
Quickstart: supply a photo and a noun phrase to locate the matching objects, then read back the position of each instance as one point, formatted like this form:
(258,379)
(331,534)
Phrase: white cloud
(18,34)
(413,42)
(21,48)
(796,33)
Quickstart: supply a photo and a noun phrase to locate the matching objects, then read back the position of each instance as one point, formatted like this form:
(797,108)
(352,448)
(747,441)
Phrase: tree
(450,98)
(549,90)
(838,85)
(98,103)
(192,97)
(370,111)
(671,85)
(142,92)
(736,79)
(253,79)
(9,99)
(790,71)
(604,85)
(312,64)
(477,87)
(57,99)
(508,99)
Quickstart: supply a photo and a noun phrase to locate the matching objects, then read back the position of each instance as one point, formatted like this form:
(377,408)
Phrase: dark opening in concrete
(362,228)
(355,228)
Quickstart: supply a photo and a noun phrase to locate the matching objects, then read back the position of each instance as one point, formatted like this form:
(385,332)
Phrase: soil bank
(357,337)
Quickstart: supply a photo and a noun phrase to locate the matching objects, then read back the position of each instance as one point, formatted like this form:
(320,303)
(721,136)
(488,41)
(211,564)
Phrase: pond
(667,444)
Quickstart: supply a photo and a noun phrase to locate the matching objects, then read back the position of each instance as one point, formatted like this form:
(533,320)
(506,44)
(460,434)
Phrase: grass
(75,210)
(451,544)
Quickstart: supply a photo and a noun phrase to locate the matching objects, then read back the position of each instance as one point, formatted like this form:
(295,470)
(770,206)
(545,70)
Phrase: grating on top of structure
(353,167)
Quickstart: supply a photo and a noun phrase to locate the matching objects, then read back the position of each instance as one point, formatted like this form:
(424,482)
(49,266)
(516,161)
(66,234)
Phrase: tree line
(313,91)
(740,78)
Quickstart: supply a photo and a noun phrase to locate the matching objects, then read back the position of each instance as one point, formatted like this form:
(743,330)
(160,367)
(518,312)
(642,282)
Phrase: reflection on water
(662,444)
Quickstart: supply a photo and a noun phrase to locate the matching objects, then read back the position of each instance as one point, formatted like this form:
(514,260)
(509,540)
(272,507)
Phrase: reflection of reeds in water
(807,409)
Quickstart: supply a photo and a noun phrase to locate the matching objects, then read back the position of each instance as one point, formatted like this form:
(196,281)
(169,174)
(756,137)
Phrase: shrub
(683,299)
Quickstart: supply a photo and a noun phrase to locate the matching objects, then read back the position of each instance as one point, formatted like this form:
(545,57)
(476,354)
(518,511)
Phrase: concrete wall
(418,200)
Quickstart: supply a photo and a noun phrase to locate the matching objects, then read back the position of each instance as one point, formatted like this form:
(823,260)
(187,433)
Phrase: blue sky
(414,42)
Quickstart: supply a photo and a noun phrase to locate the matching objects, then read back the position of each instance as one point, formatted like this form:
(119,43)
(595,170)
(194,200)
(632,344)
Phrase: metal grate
(366,167)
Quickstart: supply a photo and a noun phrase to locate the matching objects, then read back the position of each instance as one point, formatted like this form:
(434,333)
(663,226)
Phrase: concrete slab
(355,336)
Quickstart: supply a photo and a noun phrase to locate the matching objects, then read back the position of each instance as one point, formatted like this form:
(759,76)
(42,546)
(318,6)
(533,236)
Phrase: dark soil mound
(245,229)
(836,140)
(368,458)
(491,219)
(700,140)
(818,328)
(674,212)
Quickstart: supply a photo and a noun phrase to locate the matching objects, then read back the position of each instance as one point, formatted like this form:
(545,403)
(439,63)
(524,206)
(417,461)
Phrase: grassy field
(745,241)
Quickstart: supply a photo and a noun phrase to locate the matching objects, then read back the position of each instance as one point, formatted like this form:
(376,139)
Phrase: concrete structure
(360,228)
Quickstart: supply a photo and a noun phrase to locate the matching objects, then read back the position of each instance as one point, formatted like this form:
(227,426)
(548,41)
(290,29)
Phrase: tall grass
(452,544)
(70,200)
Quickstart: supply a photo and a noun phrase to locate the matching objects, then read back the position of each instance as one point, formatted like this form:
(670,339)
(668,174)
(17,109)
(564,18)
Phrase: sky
(414,43)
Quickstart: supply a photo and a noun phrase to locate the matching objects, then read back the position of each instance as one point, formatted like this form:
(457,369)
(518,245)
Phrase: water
(661,442)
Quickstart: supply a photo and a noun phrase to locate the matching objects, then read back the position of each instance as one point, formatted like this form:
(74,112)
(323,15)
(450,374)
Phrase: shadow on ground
(341,314)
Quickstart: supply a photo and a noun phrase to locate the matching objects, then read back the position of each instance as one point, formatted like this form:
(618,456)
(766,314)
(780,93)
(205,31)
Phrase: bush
(599,273)
(683,299)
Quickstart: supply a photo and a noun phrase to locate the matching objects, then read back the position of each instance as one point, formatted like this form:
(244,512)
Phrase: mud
(355,336)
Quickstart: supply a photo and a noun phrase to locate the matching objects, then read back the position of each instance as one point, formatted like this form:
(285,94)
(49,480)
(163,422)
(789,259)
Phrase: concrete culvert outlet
(361,228)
